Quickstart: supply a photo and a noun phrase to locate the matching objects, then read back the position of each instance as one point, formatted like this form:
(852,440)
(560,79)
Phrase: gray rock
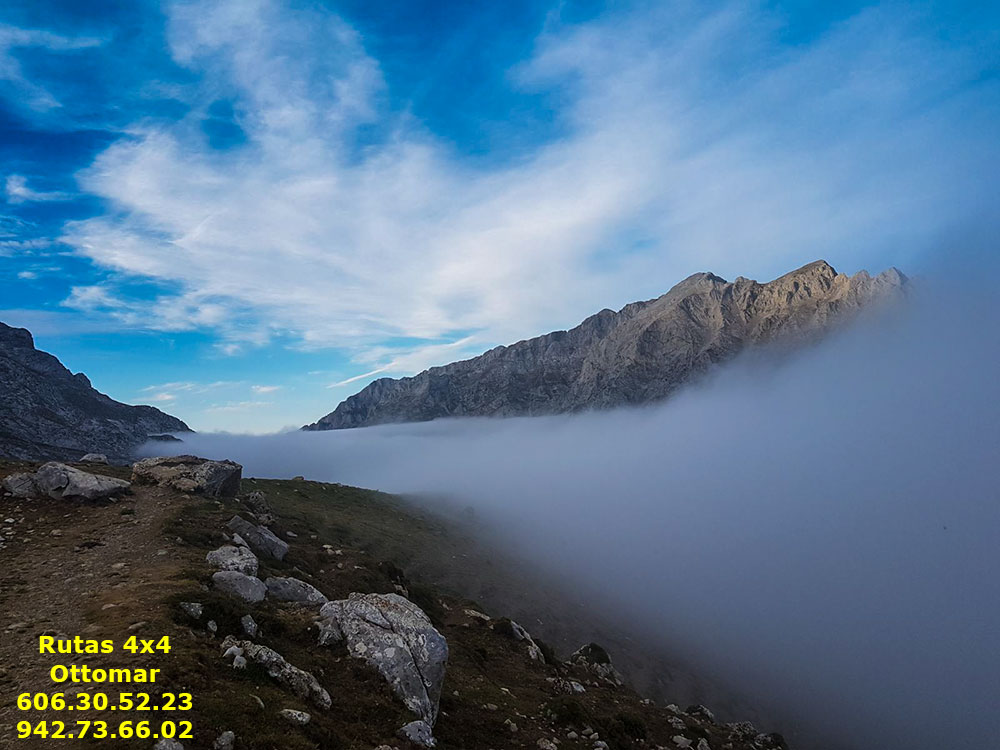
(60,481)
(192,609)
(245,587)
(94,458)
(596,660)
(258,538)
(700,712)
(294,590)
(190,474)
(520,634)
(21,485)
(419,733)
(393,635)
(225,741)
(644,352)
(300,682)
(49,413)
(256,501)
(249,626)
(297,718)
(168,745)
(240,662)
(229,557)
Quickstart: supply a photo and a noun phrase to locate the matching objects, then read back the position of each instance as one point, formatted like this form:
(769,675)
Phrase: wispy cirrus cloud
(265,388)
(687,144)
(31,94)
(19,192)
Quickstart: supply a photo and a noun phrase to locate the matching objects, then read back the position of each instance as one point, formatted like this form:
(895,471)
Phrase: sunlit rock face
(642,353)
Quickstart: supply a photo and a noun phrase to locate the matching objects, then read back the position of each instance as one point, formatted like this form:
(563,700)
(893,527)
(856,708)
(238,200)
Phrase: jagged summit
(642,353)
(48,412)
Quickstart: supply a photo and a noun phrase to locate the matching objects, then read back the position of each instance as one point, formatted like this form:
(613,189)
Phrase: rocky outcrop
(642,353)
(47,412)
(259,539)
(60,482)
(393,635)
(301,683)
(190,474)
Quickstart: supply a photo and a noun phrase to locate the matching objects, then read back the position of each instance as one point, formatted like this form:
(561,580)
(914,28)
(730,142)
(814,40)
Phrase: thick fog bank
(824,534)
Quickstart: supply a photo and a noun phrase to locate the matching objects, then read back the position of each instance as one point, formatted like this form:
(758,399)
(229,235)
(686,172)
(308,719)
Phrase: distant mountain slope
(641,353)
(48,412)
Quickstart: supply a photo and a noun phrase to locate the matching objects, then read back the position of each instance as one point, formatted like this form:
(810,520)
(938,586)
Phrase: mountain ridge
(641,353)
(46,411)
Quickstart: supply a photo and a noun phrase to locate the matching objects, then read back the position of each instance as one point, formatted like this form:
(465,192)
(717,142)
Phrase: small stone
(225,741)
(119,566)
(491,706)
(138,625)
(700,712)
(168,745)
(192,609)
(249,626)
(297,718)
(546,744)
(232,651)
(213,628)
(240,662)
(681,741)
(108,606)
(572,736)
(56,532)
(291,535)
(256,697)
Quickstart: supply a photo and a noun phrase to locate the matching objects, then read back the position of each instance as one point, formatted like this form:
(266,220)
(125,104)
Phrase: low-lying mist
(823,533)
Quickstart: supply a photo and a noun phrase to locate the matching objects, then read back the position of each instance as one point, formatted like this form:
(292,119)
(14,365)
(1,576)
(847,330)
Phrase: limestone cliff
(642,353)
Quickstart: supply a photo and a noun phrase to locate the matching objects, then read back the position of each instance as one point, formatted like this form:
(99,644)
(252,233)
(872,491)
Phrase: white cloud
(30,94)
(689,145)
(237,406)
(265,388)
(19,192)
(413,359)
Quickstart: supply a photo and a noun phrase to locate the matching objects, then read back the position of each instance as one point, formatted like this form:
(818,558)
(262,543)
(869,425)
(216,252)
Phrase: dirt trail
(77,570)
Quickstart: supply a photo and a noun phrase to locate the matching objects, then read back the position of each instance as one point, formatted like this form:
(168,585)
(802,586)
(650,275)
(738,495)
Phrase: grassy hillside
(111,570)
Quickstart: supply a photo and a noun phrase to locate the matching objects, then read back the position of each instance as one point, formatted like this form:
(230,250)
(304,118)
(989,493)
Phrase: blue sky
(242,211)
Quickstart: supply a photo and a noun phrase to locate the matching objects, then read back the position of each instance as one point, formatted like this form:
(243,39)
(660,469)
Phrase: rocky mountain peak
(15,338)
(642,353)
(48,412)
